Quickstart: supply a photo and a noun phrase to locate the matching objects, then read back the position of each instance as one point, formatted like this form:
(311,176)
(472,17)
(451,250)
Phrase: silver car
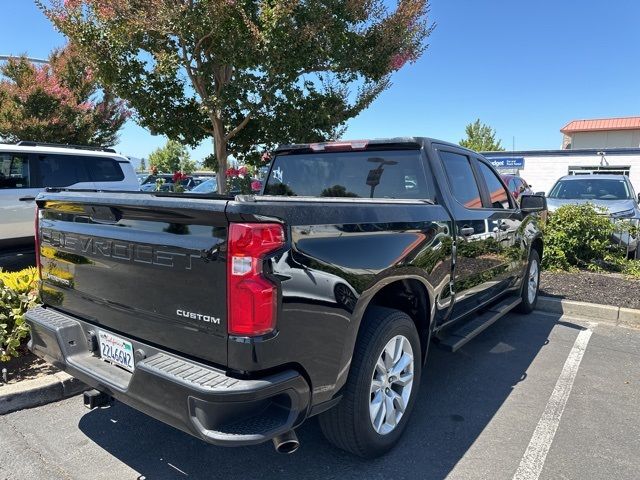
(614,194)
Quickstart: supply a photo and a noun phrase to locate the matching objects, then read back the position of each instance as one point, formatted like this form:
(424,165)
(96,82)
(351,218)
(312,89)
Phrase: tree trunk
(220,146)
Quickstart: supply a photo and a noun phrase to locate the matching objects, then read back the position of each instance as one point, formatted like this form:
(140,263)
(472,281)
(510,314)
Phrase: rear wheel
(531,284)
(382,386)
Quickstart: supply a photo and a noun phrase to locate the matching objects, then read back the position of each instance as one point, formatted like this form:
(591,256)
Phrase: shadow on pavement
(459,395)
(16,259)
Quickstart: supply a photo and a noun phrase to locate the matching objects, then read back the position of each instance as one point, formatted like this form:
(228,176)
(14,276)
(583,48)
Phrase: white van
(27,168)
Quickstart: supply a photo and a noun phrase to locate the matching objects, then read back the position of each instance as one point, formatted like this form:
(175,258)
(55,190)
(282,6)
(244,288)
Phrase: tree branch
(239,127)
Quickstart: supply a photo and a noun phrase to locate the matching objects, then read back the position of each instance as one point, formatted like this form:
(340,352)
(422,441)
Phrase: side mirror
(542,194)
(533,203)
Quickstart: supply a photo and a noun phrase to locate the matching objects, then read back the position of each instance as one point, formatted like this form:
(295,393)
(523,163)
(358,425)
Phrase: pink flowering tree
(59,102)
(247,74)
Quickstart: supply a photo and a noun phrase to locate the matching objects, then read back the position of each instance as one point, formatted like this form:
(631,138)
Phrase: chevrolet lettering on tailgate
(117,249)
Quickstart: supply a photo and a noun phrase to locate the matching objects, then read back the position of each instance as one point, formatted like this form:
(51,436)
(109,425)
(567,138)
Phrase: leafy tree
(59,102)
(481,138)
(173,157)
(143,165)
(248,74)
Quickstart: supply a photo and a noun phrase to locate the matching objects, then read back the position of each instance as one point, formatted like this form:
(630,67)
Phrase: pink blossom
(398,60)
(58,17)
(256,185)
(232,172)
(86,106)
(70,4)
(266,157)
(243,170)
(105,10)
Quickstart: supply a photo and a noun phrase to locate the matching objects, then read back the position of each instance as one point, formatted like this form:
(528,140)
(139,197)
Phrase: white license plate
(116,350)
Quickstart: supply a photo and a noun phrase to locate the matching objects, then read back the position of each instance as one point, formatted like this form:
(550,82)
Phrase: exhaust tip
(286,443)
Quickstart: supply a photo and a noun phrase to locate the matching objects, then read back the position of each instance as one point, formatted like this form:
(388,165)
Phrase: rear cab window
(390,174)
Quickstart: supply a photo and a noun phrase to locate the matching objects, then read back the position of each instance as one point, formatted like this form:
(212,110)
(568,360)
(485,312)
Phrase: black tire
(527,305)
(348,425)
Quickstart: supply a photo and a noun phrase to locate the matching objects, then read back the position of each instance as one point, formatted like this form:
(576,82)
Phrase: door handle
(467,231)
(26,199)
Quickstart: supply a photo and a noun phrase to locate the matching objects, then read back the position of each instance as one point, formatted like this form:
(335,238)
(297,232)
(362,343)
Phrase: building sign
(507,162)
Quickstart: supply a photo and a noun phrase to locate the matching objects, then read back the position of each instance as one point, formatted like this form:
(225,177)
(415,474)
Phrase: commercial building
(541,168)
(589,147)
(602,133)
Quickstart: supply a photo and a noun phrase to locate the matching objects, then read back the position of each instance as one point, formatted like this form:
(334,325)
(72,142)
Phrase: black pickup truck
(235,319)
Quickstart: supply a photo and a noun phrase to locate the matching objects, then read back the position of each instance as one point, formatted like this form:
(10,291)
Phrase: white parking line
(536,453)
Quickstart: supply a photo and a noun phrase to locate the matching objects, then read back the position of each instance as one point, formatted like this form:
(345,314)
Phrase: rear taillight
(37,241)
(251,297)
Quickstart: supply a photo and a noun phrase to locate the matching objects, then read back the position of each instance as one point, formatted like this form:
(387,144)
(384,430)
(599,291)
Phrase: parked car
(236,319)
(149,185)
(207,186)
(27,168)
(614,194)
(142,177)
(517,186)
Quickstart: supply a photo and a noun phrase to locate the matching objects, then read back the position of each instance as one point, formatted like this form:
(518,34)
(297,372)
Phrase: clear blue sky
(525,68)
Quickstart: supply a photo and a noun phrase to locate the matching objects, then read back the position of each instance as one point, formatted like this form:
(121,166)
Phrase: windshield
(208,186)
(369,174)
(591,189)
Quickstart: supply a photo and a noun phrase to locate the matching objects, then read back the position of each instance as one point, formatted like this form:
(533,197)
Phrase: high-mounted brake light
(37,242)
(336,146)
(251,297)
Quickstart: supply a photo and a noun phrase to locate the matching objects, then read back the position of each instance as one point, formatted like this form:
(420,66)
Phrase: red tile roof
(601,124)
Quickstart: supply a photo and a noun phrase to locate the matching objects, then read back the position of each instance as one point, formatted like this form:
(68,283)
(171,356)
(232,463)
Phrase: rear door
(18,189)
(484,229)
(146,267)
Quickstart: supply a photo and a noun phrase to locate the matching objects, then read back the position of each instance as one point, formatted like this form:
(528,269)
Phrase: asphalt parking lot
(534,396)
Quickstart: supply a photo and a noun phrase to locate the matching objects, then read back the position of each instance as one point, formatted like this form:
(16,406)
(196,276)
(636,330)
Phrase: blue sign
(507,162)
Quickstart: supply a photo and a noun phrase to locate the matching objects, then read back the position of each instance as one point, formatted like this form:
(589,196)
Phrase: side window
(460,175)
(62,170)
(14,171)
(497,194)
(103,169)
(513,185)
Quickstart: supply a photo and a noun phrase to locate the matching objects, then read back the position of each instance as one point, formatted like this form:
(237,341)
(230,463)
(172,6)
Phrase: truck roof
(393,142)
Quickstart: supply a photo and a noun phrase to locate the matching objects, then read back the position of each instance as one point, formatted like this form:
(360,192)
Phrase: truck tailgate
(147,267)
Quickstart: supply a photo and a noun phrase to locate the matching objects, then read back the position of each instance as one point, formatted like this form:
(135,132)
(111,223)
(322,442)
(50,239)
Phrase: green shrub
(579,236)
(18,292)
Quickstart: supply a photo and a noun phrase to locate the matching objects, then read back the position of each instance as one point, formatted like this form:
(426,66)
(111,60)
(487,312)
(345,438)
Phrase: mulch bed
(607,289)
(26,367)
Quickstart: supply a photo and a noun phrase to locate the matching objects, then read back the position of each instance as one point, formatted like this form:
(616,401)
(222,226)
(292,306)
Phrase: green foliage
(143,165)
(18,293)
(632,268)
(59,102)
(173,157)
(481,138)
(247,74)
(579,236)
